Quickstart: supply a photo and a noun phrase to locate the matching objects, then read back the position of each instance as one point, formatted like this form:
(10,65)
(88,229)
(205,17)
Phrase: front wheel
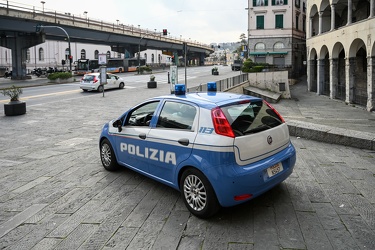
(107,156)
(122,85)
(198,194)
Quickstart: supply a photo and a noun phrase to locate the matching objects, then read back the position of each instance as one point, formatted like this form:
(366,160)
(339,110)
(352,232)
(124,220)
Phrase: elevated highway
(18,33)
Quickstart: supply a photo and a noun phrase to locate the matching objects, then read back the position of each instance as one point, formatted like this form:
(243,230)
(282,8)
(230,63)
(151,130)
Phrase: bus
(114,65)
(118,65)
(85,66)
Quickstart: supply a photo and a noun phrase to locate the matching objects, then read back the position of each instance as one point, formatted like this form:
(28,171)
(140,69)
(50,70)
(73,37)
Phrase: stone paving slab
(53,161)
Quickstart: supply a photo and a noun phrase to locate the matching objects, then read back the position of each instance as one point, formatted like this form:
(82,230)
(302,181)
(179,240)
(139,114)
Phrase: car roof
(211,99)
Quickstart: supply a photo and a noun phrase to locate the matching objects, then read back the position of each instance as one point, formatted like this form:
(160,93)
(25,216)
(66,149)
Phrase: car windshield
(251,117)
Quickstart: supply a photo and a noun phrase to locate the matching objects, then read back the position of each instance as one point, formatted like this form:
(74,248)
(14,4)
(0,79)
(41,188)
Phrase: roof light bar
(179,89)
(211,87)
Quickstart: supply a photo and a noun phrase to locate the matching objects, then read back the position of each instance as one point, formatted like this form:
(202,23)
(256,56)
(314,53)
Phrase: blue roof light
(211,87)
(179,89)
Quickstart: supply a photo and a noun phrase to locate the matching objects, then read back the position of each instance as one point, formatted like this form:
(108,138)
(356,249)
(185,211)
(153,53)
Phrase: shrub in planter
(59,75)
(15,106)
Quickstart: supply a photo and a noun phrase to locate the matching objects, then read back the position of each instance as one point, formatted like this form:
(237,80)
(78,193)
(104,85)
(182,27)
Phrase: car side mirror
(117,124)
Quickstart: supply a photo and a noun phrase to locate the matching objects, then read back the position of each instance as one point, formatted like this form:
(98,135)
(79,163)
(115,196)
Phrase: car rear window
(251,117)
(88,77)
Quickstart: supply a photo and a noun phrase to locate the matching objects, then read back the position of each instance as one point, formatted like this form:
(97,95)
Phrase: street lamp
(139,52)
(42,2)
(85,13)
(117,21)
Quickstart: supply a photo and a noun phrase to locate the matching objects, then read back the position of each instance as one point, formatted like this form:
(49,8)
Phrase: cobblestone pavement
(54,193)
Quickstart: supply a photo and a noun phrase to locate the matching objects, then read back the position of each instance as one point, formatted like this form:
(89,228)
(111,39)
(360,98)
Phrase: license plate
(275,169)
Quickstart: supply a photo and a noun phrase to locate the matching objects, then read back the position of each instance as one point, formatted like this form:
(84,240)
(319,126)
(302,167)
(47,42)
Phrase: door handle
(184,141)
(142,136)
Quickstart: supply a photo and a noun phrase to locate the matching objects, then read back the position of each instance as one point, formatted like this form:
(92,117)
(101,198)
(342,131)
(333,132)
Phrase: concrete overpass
(18,33)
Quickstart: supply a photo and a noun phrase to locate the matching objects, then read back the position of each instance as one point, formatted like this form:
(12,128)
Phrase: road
(51,93)
(55,194)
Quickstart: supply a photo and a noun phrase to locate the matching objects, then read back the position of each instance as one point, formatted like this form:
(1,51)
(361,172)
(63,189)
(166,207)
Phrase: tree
(243,40)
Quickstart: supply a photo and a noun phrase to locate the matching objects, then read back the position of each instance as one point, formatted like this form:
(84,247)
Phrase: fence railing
(223,84)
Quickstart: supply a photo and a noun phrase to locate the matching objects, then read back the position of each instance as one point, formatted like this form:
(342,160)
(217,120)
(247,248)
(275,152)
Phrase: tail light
(221,124)
(274,110)
(95,80)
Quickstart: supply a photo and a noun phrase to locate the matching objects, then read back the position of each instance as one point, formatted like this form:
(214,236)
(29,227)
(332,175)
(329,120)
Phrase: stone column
(320,80)
(350,12)
(349,79)
(333,22)
(311,74)
(320,22)
(334,78)
(370,84)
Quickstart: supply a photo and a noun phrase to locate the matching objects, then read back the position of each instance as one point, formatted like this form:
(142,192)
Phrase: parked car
(217,149)
(91,81)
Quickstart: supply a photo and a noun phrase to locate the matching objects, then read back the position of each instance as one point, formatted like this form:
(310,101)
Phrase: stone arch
(325,9)
(338,72)
(357,73)
(314,21)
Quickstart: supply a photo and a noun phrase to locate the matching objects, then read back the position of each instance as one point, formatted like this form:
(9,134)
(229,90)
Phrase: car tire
(122,85)
(198,194)
(100,88)
(107,156)
(84,90)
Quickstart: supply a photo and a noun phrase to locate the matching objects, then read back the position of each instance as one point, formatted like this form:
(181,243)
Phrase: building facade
(341,50)
(53,53)
(276,34)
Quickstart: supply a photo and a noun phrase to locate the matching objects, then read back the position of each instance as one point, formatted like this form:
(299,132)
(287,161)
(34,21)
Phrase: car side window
(177,116)
(141,116)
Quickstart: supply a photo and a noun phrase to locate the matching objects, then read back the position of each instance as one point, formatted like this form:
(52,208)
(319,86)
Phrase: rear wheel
(122,85)
(198,194)
(107,156)
(100,88)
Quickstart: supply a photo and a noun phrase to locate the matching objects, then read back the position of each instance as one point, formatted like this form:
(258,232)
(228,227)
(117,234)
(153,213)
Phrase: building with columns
(340,41)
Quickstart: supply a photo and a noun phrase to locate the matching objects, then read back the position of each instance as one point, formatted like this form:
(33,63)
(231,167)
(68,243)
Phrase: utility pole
(39,27)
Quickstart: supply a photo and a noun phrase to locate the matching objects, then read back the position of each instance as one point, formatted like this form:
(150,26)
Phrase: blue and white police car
(218,149)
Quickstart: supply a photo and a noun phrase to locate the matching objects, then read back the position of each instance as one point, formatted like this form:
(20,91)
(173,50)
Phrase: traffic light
(165,32)
(62,62)
(71,58)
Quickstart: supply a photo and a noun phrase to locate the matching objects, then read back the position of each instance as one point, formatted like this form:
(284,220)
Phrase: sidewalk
(320,118)
(308,115)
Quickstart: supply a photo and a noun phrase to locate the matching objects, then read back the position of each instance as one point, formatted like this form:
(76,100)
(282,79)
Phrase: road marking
(44,95)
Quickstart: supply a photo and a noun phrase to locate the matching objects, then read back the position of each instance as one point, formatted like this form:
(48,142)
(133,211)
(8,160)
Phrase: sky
(205,21)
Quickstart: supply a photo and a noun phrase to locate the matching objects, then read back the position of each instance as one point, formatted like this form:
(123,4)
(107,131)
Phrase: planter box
(151,84)
(14,108)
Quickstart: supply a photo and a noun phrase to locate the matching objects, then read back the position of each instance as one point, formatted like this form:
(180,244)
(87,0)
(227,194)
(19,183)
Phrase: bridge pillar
(19,43)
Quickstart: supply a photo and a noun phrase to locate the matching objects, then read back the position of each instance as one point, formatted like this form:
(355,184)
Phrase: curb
(332,135)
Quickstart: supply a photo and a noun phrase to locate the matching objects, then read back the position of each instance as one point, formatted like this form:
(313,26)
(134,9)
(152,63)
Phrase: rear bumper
(88,87)
(252,179)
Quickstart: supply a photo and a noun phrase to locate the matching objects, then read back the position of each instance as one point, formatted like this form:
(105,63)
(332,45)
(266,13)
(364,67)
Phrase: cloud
(203,21)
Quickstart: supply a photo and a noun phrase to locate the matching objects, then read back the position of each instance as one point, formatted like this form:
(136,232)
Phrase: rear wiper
(260,128)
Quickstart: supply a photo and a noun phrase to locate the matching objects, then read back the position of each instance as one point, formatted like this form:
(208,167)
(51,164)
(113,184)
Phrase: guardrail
(223,84)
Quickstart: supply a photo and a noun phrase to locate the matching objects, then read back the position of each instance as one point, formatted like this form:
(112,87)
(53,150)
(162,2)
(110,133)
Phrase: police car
(218,149)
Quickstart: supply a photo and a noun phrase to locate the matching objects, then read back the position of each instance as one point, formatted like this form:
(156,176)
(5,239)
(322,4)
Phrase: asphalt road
(50,93)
